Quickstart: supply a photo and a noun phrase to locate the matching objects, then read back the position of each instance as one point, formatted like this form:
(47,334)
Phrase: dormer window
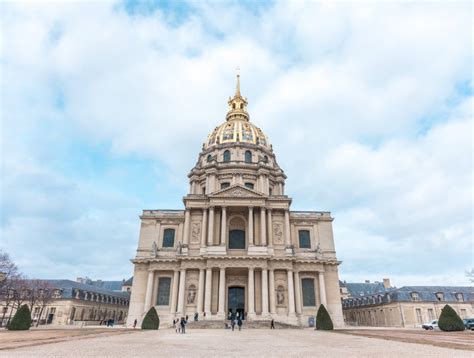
(415,296)
(459,297)
(440,296)
(249,185)
(225,185)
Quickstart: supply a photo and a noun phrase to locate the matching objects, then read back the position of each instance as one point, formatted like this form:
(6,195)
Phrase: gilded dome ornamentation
(237,128)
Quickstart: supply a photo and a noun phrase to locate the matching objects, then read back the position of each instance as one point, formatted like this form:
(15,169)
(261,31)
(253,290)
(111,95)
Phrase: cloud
(368,107)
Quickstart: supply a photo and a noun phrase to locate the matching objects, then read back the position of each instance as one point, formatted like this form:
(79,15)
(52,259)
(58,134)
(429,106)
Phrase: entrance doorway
(236,303)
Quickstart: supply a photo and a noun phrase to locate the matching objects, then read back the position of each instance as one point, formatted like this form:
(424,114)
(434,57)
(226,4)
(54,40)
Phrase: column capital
(250,207)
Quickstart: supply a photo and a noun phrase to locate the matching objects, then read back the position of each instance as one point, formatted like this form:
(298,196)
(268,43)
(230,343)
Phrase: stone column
(207,299)
(287,228)
(174,292)
(187,224)
(251,241)
(263,227)
(297,292)
(264,292)
(272,291)
(182,289)
(221,310)
(224,226)
(322,289)
(149,290)
(291,294)
(204,227)
(210,233)
(270,227)
(251,298)
(200,302)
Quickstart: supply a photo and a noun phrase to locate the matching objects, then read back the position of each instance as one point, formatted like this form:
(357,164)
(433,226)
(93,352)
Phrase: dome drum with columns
(236,250)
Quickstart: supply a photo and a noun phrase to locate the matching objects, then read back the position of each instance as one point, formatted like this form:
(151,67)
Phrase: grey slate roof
(68,286)
(428,293)
(364,289)
(108,285)
(129,282)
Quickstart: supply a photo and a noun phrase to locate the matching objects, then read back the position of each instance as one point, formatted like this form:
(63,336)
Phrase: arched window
(225,185)
(168,238)
(248,156)
(304,239)
(265,159)
(209,158)
(226,156)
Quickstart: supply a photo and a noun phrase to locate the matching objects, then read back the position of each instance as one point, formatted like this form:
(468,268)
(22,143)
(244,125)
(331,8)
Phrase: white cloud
(356,99)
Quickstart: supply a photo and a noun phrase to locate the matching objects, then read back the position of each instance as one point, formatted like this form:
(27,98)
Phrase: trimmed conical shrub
(21,321)
(151,320)
(449,320)
(323,320)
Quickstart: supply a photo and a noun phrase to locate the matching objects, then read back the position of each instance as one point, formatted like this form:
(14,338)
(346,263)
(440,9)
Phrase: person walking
(272,324)
(183,325)
(232,324)
(135,323)
(239,323)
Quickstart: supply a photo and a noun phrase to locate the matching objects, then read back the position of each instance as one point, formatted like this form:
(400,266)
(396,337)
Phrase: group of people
(236,321)
(179,324)
(108,322)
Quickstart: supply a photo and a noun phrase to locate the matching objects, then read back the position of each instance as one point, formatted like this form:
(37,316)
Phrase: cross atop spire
(237,90)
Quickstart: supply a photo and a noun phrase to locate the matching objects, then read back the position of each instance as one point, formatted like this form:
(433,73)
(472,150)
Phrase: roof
(365,289)
(129,282)
(428,293)
(108,285)
(67,287)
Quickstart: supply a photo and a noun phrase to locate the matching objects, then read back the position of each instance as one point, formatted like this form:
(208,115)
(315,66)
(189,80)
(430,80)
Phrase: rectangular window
(431,314)
(225,185)
(419,317)
(308,292)
(249,185)
(168,238)
(305,242)
(164,284)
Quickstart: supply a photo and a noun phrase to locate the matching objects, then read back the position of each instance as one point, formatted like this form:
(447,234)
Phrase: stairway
(218,324)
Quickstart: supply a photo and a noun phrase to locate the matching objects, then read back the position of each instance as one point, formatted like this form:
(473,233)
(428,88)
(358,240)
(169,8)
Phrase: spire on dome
(238,104)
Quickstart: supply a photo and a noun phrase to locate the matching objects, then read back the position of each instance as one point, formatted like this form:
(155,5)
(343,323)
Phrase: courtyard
(90,342)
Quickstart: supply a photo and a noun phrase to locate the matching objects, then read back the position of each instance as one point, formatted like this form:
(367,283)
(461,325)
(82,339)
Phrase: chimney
(367,281)
(386,283)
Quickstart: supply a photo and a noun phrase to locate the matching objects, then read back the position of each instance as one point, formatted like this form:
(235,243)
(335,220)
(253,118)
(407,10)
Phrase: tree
(449,320)
(151,320)
(22,319)
(10,280)
(323,320)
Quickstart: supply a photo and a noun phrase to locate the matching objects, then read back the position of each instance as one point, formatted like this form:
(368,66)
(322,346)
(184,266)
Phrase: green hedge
(323,320)
(151,320)
(21,321)
(449,320)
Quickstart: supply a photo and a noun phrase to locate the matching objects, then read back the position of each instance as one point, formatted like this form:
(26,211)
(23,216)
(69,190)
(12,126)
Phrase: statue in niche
(191,295)
(277,232)
(179,248)
(318,250)
(195,231)
(154,249)
(280,295)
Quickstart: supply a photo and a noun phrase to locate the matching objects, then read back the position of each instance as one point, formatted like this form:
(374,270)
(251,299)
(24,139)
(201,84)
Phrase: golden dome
(237,128)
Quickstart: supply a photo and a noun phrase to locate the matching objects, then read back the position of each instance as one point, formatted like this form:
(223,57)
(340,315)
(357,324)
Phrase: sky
(105,106)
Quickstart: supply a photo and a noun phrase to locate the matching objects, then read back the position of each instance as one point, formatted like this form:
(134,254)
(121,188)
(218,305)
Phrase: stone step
(220,324)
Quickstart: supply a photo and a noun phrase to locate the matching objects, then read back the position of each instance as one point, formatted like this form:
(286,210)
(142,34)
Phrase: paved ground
(223,343)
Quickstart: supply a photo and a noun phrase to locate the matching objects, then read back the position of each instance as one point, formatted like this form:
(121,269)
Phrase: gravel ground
(214,343)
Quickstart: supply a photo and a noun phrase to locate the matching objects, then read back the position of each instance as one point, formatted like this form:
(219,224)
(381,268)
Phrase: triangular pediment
(237,191)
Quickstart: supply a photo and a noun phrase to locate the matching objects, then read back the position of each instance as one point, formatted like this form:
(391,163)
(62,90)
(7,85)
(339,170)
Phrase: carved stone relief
(195,232)
(278,233)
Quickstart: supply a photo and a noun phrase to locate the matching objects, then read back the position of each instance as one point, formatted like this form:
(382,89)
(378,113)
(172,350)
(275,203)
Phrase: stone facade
(375,304)
(236,248)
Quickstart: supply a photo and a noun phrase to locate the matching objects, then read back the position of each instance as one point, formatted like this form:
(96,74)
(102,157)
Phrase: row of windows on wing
(307,286)
(415,296)
(237,239)
(227,157)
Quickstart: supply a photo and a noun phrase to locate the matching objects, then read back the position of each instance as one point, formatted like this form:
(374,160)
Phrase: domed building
(236,250)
